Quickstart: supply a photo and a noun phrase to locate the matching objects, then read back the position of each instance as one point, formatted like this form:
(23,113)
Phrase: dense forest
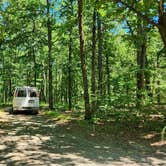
(94,55)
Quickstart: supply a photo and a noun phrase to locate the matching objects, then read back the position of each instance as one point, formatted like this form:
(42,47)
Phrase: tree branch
(140,14)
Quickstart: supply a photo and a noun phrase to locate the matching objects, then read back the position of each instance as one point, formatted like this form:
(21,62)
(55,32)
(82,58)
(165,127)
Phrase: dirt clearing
(37,140)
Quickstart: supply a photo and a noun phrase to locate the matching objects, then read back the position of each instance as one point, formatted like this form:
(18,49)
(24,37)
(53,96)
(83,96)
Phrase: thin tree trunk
(56,84)
(43,87)
(69,73)
(158,81)
(93,63)
(141,54)
(140,74)
(100,65)
(108,74)
(49,55)
(82,58)
(147,80)
(34,57)
(35,70)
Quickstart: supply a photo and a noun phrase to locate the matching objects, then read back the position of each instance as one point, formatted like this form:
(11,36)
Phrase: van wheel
(11,110)
(35,112)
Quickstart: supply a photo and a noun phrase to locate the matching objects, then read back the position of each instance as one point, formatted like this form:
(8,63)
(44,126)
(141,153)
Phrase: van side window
(21,93)
(33,94)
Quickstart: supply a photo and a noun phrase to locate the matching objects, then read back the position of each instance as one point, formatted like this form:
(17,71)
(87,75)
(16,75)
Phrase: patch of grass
(58,116)
(51,113)
(42,104)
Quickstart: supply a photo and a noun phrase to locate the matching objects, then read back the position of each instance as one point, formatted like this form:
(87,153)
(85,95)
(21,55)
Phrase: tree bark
(100,65)
(108,74)
(162,28)
(49,55)
(35,70)
(93,63)
(34,56)
(141,58)
(69,73)
(148,79)
(158,81)
(82,58)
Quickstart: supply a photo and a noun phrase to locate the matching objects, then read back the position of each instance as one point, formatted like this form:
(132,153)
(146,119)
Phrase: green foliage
(23,54)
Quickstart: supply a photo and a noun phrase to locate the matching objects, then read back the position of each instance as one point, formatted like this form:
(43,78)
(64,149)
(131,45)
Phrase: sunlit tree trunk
(82,58)
(49,56)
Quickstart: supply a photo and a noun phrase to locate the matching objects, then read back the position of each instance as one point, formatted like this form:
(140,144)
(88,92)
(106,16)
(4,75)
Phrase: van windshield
(21,93)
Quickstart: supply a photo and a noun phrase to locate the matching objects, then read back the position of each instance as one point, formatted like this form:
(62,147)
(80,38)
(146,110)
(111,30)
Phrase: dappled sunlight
(159,143)
(35,140)
(149,136)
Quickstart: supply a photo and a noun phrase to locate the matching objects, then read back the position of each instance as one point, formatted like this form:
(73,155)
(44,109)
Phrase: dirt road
(36,140)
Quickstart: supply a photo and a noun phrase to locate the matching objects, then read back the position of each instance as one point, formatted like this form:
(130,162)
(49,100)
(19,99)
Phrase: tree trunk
(34,56)
(108,74)
(43,87)
(162,29)
(69,73)
(147,79)
(35,70)
(141,55)
(162,22)
(49,56)
(100,42)
(140,75)
(83,65)
(93,63)
(158,81)
(56,84)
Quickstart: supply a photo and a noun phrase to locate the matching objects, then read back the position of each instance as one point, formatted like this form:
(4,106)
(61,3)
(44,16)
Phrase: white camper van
(26,99)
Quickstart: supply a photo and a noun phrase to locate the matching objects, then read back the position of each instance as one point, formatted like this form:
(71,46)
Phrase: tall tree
(141,60)
(49,29)
(93,62)
(69,72)
(82,58)
(100,59)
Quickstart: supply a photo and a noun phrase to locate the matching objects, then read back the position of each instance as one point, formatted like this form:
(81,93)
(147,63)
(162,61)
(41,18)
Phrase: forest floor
(39,140)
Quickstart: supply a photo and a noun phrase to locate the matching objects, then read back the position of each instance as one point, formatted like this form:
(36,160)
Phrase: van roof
(26,87)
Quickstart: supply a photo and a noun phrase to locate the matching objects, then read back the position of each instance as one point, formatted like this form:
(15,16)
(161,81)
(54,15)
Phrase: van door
(33,98)
(19,99)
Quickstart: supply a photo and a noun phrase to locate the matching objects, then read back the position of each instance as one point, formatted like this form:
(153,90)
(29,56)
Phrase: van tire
(35,112)
(11,111)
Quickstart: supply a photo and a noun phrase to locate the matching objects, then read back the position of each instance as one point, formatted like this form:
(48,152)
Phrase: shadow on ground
(37,140)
